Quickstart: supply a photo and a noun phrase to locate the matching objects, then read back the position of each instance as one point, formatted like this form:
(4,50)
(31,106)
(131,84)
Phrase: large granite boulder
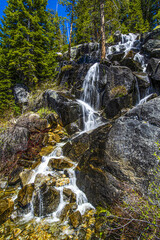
(151,44)
(117,87)
(153,69)
(119,155)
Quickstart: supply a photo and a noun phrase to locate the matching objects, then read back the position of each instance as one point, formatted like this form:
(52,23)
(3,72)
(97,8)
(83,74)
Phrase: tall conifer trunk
(103,39)
(70,39)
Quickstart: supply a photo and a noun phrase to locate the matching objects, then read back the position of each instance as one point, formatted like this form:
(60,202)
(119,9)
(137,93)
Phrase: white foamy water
(90,99)
(126,44)
(81,199)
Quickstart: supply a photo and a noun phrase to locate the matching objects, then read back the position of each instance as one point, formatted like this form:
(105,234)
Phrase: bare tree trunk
(70,39)
(103,39)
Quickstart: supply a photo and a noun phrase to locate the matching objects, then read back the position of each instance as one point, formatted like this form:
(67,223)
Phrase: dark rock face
(21,94)
(74,77)
(118,153)
(151,44)
(67,109)
(118,87)
(153,69)
(143,83)
(152,47)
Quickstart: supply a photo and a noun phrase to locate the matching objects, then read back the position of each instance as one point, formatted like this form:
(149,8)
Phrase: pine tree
(136,21)
(6,99)
(24,35)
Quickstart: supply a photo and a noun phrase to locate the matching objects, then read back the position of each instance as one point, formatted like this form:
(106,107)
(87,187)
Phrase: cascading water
(90,99)
(44,169)
(126,44)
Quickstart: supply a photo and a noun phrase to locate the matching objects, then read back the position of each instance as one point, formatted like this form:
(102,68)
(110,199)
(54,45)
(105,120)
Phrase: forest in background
(31,35)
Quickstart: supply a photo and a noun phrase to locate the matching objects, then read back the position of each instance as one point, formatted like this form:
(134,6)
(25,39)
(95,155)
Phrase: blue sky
(52,4)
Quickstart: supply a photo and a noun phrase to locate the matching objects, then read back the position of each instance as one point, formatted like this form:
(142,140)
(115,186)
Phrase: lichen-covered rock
(25,195)
(25,176)
(6,208)
(60,163)
(21,94)
(67,211)
(46,150)
(75,219)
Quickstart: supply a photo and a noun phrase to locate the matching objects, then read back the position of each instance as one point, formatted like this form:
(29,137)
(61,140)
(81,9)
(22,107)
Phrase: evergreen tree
(24,36)
(5,85)
(136,22)
(150,9)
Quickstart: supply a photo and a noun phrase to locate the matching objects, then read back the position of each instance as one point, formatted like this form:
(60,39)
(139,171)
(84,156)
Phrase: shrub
(43,112)
(118,91)
(66,68)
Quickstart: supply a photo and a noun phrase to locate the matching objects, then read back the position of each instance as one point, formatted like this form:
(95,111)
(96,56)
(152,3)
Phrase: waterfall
(43,168)
(125,45)
(90,99)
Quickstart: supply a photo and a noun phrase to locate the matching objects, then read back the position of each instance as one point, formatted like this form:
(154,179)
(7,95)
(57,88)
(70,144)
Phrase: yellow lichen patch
(46,151)
(89,233)
(16,232)
(62,182)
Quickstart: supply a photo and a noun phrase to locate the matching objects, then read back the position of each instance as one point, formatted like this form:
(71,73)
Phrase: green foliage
(119,91)
(66,68)
(43,112)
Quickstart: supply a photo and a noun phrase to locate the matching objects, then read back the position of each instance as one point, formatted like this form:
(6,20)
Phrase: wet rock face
(60,164)
(46,200)
(122,153)
(68,109)
(14,178)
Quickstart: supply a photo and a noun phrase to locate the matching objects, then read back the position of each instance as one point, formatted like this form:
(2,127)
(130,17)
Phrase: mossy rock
(119,91)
